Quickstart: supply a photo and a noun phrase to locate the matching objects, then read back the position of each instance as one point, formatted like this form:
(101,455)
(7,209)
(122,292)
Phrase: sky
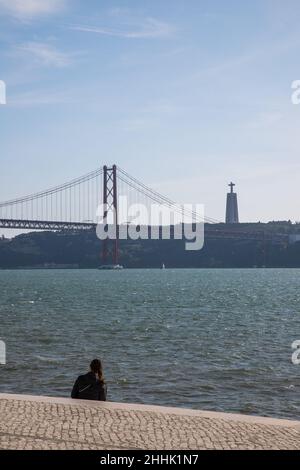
(184,95)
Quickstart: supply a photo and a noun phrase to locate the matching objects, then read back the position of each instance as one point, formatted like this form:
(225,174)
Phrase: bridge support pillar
(110,249)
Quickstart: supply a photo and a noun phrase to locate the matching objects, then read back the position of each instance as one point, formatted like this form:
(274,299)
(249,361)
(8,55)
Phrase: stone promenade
(28,422)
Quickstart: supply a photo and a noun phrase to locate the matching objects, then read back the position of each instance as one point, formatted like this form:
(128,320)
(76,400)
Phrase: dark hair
(96,368)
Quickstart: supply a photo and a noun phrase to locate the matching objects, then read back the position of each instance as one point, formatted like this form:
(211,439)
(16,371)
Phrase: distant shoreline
(201,268)
(51,250)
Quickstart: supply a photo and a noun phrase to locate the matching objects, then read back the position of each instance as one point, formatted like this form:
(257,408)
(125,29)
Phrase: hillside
(83,250)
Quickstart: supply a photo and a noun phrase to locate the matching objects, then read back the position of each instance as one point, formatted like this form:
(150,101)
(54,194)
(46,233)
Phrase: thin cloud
(265,120)
(268,51)
(45,54)
(28,9)
(149,28)
(39,98)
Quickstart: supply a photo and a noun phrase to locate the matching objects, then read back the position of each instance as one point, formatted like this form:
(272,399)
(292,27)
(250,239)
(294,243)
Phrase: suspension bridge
(73,206)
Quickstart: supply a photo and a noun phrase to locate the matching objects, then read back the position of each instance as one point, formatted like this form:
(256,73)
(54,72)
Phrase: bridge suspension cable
(55,189)
(160,199)
(76,202)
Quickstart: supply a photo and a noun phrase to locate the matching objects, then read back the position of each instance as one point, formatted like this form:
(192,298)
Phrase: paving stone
(38,424)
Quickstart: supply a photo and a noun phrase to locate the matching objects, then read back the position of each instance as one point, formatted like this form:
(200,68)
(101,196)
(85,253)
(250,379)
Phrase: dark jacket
(88,387)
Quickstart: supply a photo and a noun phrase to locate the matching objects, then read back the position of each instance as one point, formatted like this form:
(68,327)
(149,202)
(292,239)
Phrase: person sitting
(91,386)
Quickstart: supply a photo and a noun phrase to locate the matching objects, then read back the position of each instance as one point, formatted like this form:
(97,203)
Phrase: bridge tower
(110,201)
(232,213)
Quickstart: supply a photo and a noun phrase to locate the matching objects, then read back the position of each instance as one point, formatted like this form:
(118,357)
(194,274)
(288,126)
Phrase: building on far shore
(232,213)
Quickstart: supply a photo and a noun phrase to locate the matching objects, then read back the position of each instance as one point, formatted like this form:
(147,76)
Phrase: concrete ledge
(156,409)
(43,423)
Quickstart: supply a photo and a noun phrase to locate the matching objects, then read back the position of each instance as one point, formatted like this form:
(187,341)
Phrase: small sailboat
(163,266)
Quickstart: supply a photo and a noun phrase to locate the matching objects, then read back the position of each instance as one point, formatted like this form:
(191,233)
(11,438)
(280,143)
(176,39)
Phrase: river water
(206,339)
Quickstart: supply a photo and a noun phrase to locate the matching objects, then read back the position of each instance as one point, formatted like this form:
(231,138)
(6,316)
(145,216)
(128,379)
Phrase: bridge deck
(211,231)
